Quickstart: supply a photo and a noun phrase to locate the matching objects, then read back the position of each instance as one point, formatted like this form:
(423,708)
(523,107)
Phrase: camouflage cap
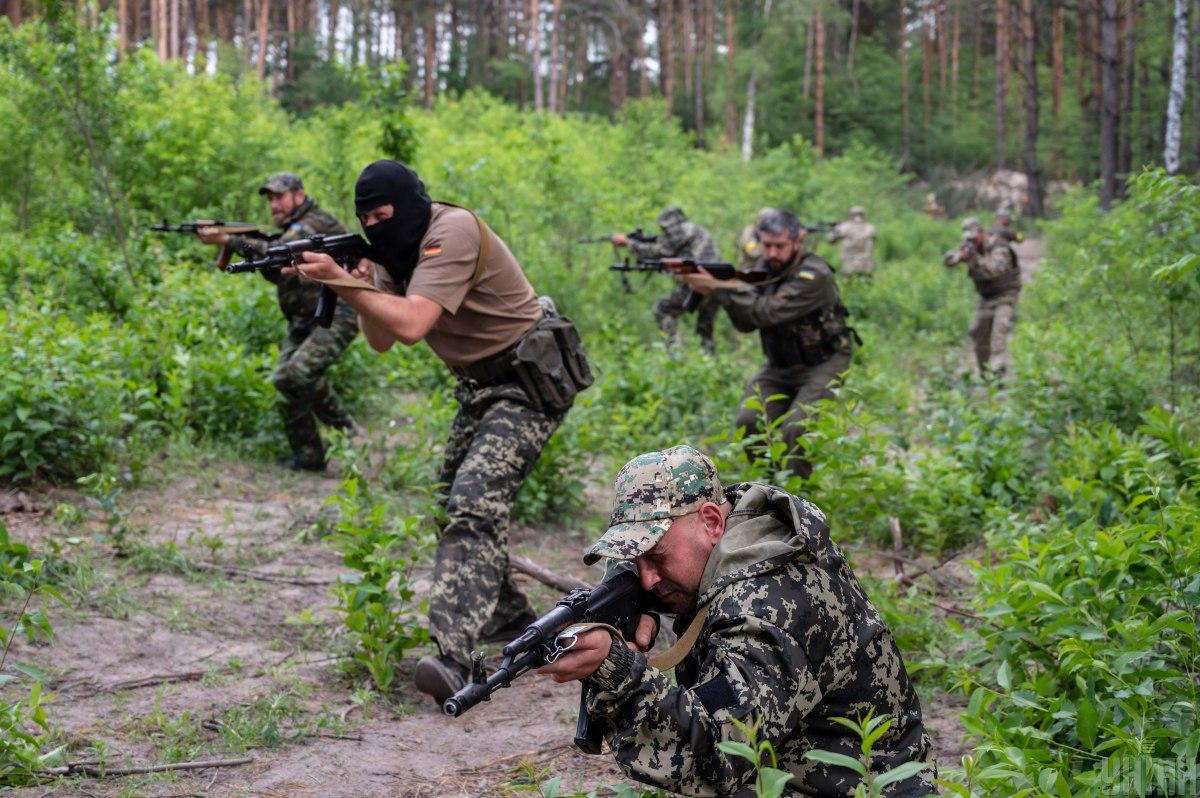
(653,490)
(970,228)
(857,210)
(671,216)
(281,183)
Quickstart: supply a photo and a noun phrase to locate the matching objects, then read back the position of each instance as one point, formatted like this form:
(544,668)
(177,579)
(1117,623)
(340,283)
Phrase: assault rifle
(345,248)
(819,227)
(233,228)
(638,235)
(617,601)
(962,253)
(719,269)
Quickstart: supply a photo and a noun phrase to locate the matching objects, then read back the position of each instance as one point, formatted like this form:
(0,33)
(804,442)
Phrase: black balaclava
(395,242)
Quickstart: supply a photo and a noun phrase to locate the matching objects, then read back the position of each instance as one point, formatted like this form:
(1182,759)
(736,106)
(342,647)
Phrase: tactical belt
(492,370)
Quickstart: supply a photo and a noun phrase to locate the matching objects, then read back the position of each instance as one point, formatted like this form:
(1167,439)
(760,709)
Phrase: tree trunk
(175,27)
(926,68)
(1196,83)
(1110,112)
(644,87)
(1032,173)
(731,74)
(225,16)
(698,80)
(1057,68)
(618,80)
(666,52)
(1127,60)
(976,55)
(202,36)
(904,77)
(1001,80)
(810,33)
(748,118)
(430,37)
(940,32)
(685,13)
(535,53)
(1175,102)
(853,42)
(819,103)
(955,44)
(293,23)
(555,56)
(14,11)
(122,23)
(264,23)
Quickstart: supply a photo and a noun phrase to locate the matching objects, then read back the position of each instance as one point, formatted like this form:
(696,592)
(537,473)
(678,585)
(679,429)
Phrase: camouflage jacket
(798,312)
(791,641)
(297,300)
(695,242)
(858,246)
(995,271)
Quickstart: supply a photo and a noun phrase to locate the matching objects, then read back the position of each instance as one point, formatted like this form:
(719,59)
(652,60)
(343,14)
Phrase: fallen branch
(231,570)
(89,769)
(151,681)
(544,575)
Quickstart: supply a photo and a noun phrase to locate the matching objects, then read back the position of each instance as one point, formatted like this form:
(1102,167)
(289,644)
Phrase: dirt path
(160,663)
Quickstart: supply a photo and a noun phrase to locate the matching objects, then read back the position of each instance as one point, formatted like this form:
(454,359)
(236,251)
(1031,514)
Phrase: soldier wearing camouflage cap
(996,272)
(858,243)
(1003,227)
(786,638)
(680,238)
(307,350)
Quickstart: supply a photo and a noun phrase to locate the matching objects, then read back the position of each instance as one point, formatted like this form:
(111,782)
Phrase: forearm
(383,318)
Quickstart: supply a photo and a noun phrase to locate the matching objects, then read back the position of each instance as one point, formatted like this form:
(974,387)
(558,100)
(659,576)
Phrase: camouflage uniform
(858,243)
(749,250)
(494,442)
(997,277)
(306,350)
(681,239)
(802,324)
(790,642)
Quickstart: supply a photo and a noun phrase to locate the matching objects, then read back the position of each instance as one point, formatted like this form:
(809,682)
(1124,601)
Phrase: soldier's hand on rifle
(365,271)
(704,283)
(213,235)
(583,659)
(316,265)
(620,239)
(643,638)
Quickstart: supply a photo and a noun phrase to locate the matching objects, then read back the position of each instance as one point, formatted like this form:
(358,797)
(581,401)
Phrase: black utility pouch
(550,363)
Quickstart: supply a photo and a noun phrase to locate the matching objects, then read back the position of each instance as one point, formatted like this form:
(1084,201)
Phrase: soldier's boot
(439,676)
(512,615)
(329,408)
(308,450)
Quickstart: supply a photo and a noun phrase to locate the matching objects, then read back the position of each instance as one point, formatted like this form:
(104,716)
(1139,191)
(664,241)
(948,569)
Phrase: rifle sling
(485,243)
(673,655)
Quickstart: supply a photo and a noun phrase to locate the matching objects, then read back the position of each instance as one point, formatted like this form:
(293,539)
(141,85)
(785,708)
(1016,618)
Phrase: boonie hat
(652,490)
(282,183)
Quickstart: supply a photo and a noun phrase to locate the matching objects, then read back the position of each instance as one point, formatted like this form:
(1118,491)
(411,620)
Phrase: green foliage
(769,780)
(1088,658)
(868,730)
(380,549)
(22,579)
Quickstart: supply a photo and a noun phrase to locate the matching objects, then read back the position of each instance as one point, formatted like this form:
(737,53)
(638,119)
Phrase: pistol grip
(691,302)
(326,304)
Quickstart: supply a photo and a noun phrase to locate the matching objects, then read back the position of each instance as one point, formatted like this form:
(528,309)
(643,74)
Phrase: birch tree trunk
(1110,112)
(751,92)
(1174,131)
(202,36)
(1032,172)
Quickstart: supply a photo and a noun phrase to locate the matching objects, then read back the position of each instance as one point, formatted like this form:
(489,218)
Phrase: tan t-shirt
(478,321)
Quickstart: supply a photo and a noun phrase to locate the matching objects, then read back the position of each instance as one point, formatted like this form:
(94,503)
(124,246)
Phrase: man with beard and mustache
(802,324)
(440,275)
(681,238)
(784,638)
(307,350)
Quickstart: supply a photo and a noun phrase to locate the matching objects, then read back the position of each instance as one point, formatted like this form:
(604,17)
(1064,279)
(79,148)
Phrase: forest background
(1071,492)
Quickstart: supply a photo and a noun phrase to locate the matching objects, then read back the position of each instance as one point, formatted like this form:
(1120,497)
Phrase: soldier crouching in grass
(787,639)
(439,274)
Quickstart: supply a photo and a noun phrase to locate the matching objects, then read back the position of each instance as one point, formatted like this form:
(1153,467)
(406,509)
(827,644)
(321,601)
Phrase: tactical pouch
(550,363)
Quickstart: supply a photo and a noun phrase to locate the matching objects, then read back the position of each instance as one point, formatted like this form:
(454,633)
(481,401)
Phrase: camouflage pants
(795,387)
(991,331)
(668,310)
(304,354)
(494,442)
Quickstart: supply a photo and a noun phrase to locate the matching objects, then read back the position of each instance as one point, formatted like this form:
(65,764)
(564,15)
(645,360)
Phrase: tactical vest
(809,340)
(995,271)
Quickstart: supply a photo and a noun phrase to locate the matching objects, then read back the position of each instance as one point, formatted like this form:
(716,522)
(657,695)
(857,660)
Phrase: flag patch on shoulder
(805,274)
(434,250)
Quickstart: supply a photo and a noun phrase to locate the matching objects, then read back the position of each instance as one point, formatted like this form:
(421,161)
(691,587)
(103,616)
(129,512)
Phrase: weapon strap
(673,655)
